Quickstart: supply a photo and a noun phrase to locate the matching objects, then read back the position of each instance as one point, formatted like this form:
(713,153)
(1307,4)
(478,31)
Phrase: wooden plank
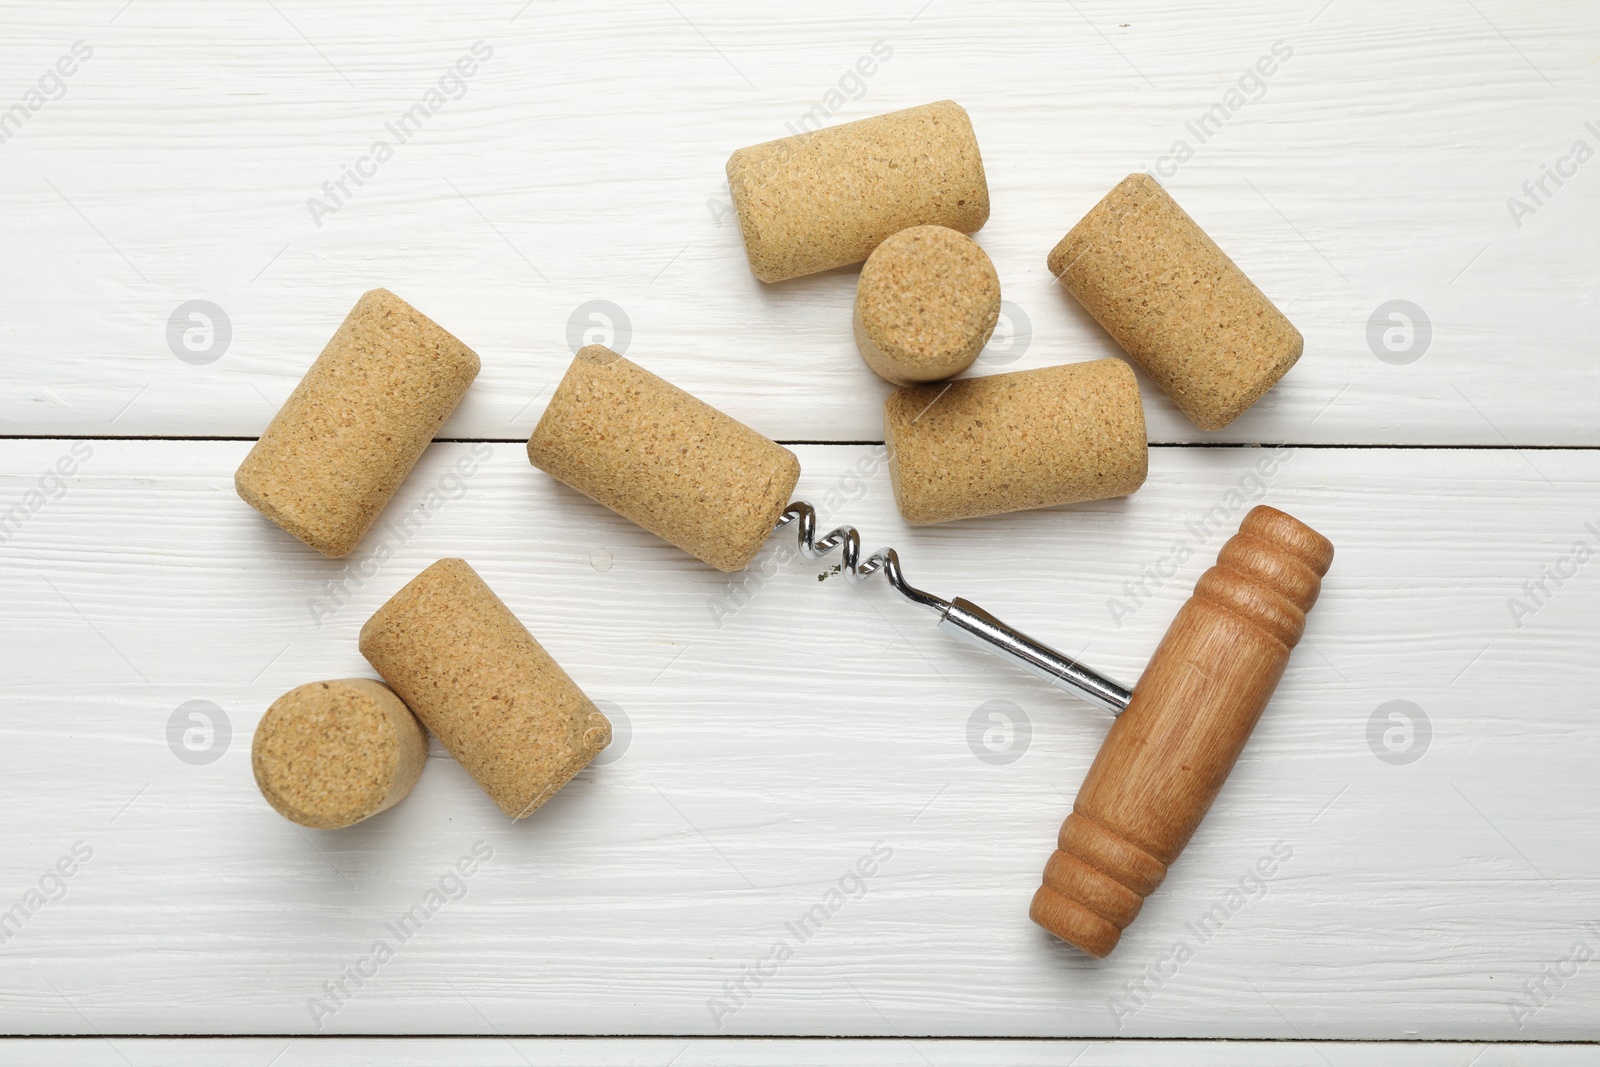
(782,729)
(681,1052)
(583,162)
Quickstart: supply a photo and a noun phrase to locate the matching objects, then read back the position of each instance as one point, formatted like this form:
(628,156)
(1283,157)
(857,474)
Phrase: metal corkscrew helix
(960,617)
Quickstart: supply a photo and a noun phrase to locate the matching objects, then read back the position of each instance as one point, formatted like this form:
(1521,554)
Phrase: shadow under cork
(1086,330)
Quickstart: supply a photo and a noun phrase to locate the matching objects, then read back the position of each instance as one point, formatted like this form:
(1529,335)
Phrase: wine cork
(329,754)
(356,424)
(827,198)
(1010,442)
(672,463)
(1176,303)
(477,678)
(926,303)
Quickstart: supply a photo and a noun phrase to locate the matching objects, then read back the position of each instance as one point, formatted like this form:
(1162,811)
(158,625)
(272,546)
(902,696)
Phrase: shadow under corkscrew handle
(1168,754)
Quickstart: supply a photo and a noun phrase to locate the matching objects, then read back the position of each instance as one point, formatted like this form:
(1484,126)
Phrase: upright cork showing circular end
(1176,303)
(927,301)
(329,754)
(356,424)
(1009,442)
(478,679)
(666,460)
(828,197)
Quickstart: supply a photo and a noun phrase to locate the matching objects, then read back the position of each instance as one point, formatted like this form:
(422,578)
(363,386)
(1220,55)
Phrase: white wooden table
(1440,896)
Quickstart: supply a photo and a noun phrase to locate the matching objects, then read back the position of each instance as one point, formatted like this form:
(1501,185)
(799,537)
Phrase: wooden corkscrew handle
(1168,754)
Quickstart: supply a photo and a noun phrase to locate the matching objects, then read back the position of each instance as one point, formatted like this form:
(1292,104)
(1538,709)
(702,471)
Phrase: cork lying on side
(927,301)
(329,754)
(1010,442)
(827,198)
(477,678)
(655,454)
(356,424)
(1176,303)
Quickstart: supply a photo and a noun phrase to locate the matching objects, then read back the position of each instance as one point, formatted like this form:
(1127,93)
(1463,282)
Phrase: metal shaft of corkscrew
(960,617)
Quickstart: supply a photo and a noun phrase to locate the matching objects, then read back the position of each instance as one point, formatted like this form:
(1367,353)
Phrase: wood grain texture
(686,1052)
(1421,781)
(779,735)
(585,162)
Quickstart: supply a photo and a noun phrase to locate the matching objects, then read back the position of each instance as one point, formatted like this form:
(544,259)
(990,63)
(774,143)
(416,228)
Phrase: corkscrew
(712,486)
(1178,733)
(962,618)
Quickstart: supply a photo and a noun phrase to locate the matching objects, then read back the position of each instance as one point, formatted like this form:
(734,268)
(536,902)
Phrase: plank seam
(1326,446)
(1003,1038)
